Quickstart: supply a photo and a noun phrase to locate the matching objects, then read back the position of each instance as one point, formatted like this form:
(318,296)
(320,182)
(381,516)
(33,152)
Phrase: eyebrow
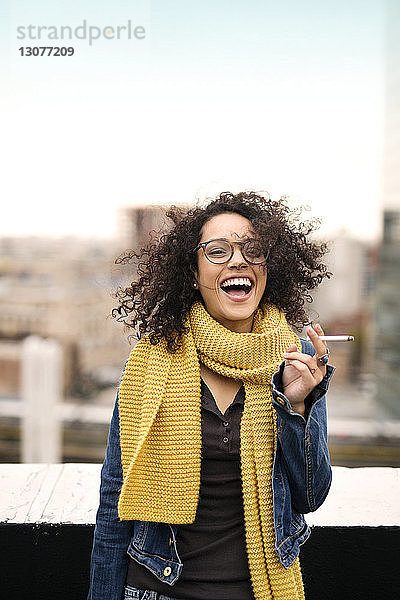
(240,239)
(246,236)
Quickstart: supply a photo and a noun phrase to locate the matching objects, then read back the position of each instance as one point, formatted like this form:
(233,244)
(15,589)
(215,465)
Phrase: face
(228,300)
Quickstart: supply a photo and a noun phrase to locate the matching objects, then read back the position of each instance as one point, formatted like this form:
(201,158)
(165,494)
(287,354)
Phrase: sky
(285,97)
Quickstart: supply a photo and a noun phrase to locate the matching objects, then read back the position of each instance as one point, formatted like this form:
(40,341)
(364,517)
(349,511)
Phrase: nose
(237,261)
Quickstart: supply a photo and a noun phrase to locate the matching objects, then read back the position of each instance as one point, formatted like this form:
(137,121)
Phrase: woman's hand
(303,372)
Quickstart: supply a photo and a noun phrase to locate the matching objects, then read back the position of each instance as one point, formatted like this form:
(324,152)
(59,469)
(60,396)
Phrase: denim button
(225,440)
(226,423)
(167,571)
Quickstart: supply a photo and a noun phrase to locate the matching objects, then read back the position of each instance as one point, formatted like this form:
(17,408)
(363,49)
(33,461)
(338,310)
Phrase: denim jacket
(301,481)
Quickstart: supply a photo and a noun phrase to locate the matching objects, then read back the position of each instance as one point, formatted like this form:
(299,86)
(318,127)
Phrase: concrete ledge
(69,493)
(367,496)
(42,493)
(47,514)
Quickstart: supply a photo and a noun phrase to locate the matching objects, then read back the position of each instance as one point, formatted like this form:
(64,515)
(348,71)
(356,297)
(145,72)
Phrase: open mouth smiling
(237,288)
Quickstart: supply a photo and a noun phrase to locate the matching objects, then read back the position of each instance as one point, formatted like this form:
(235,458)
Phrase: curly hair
(157,302)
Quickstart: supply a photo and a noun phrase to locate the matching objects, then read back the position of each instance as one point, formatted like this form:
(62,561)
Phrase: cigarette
(335,338)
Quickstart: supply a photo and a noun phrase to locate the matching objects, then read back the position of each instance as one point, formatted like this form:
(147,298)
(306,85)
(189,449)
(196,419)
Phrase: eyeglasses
(221,251)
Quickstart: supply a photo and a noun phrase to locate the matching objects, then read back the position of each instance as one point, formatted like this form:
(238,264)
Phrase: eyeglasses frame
(241,244)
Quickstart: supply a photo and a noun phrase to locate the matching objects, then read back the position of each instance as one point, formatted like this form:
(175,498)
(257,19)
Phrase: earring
(195,285)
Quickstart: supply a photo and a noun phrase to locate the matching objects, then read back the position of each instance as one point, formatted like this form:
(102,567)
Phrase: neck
(245,326)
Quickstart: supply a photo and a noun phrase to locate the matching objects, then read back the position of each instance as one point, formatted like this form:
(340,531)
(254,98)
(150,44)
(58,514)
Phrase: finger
(305,358)
(319,345)
(308,360)
(320,331)
(303,369)
(308,373)
(291,348)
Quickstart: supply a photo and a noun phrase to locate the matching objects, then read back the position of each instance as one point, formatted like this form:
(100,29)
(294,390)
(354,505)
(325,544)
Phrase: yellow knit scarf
(160,428)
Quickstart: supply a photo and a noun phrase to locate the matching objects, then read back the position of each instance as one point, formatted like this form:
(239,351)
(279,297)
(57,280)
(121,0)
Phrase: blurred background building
(346,303)
(137,223)
(59,289)
(388,280)
(387,315)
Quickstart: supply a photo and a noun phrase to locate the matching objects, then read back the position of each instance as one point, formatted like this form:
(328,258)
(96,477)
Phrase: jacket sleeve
(302,442)
(109,560)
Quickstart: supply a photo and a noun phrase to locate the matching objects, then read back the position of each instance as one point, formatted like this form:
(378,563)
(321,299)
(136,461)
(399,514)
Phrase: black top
(213,548)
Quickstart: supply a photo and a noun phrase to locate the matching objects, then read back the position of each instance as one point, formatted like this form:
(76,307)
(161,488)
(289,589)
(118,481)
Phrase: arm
(109,561)
(302,441)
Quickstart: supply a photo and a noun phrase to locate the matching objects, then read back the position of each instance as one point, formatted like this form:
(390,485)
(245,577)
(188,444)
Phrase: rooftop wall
(47,514)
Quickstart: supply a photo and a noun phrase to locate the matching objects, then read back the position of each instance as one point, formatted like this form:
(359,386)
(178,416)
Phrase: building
(60,289)
(387,343)
(137,223)
(344,304)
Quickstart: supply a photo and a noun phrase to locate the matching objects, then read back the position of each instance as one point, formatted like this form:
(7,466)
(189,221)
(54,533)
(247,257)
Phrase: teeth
(236,281)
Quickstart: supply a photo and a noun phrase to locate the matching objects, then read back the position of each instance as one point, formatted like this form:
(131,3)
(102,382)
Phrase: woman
(217,444)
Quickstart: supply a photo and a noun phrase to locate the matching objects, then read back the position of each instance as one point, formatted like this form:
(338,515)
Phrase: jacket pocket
(140,529)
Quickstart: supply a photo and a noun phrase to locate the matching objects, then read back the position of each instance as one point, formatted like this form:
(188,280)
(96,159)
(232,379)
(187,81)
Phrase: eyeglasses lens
(253,252)
(219,251)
